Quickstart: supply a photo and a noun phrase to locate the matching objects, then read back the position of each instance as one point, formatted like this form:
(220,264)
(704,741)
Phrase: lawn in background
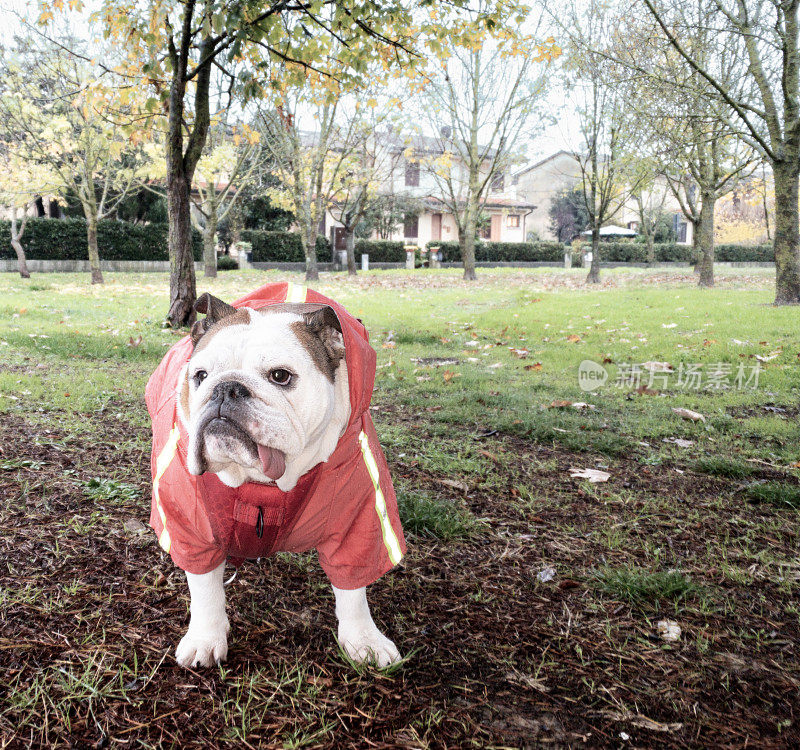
(530,596)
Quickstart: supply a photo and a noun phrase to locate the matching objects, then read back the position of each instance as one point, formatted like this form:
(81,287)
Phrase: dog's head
(264,394)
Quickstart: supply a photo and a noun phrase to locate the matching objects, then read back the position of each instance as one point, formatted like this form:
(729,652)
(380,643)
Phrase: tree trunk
(182,284)
(180,171)
(309,240)
(94,253)
(16,243)
(696,252)
(467,242)
(787,241)
(209,241)
(594,269)
(350,245)
(705,244)
(651,253)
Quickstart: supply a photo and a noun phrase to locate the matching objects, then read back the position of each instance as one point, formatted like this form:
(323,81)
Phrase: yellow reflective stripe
(296,293)
(162,462)
(389,537)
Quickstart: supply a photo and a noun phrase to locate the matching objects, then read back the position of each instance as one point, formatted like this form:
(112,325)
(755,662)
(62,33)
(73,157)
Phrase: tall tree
(688,124)
(221,177)
(63,111)
(368,170)
(763,101)
(22,181)
(484,89)
(173,47)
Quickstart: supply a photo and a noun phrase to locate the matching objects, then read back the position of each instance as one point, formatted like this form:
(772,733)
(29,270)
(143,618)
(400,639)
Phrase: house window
(412,174)
(682,231)
(485,231)
(411,227)
(512,220)
(499,181)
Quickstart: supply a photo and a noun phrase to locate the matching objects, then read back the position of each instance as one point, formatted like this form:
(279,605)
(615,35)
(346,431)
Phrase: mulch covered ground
(91,610)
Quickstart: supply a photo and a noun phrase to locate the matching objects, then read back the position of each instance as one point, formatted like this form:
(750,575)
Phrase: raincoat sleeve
(176,512)
(363,538)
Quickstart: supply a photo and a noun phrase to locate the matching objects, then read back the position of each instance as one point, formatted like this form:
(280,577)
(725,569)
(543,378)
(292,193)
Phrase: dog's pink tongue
(273,462)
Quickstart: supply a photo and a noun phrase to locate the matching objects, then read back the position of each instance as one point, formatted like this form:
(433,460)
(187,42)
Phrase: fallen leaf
(559,404)
(593,475)
(521,353)
(657,366)
(694,416)
(680,442)
(573,338)
(492,456)
(581,405)
(643,390)
(669,630)
(389,345)
(769,357)
(448,375)
(538,365)
(134,342)
(455,484)
(546,574)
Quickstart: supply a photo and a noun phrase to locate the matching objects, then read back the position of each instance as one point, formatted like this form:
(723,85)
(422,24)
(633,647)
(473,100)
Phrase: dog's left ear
(215,310)
(324,324)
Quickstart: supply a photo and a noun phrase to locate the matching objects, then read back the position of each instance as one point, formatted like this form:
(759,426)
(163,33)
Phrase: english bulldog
(263,442)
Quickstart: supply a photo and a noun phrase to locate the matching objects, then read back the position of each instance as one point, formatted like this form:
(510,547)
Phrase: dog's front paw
(203,648)
(367,644)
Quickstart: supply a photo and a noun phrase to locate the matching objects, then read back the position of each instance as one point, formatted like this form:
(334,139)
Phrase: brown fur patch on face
(184,394)
(240,317)
(323,342)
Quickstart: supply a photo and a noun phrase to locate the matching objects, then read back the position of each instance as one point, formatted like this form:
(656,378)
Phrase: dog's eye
(280,377)
(200,376)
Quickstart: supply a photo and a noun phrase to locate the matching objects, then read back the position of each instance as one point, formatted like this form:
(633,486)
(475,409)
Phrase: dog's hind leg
(358,634)
(206,641)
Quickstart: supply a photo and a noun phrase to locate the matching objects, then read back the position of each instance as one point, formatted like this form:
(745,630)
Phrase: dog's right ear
(215,310)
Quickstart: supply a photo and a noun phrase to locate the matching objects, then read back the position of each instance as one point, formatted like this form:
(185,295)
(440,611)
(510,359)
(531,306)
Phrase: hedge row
(744,253)
(65,239)
(508,252)
(381,251)
(282,247)
(636,252)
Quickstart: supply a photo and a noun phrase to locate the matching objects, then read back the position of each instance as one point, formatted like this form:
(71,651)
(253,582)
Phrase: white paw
(203,648)
(368,644)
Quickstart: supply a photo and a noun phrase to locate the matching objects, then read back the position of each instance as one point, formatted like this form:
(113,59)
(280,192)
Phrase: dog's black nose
(229,390)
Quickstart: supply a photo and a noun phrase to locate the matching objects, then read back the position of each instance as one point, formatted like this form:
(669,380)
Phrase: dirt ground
(92,610)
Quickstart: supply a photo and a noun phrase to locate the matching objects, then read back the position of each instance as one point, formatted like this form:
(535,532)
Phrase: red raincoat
(345,508)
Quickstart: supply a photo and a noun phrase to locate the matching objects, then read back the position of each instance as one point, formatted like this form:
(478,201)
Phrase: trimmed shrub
(226,263)
(744,253)
(282,247)
(504,252)
(636,252)
(382,251)
(276,247)
(65,239)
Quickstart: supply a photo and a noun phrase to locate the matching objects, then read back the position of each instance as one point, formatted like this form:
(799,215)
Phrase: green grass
(639,586)
(724,467)
(431,517)
(109,489)
(777,493)
(480,450)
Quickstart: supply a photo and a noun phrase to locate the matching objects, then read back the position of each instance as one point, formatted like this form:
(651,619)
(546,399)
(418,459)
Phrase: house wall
(541,184)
